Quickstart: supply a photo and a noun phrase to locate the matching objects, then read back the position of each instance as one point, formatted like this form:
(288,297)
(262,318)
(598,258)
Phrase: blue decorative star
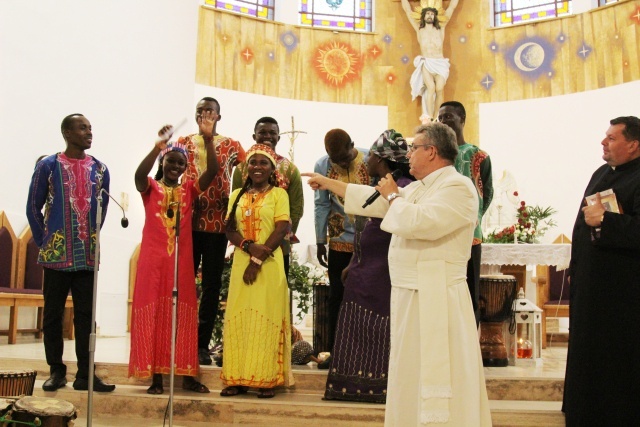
(405,59)
(271,55)
(561,38)
(494,47)
(584,51)
(487,82)
(387,38)
(289,40)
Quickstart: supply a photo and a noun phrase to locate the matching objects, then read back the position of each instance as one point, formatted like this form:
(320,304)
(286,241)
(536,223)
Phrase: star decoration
(391,78)
(462,39)
(375,51)
(405,59)
(225,38)
(271,55)
(487,82)
(247,55)
(493,47)
(636,16)
(469,25)
(289,40)
(387,38)
(584,51)
(561,38)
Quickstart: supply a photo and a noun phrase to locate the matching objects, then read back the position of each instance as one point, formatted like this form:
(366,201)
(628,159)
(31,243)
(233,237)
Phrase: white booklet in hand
(608,199)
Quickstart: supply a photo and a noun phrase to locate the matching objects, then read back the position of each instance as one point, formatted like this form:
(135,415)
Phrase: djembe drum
(43,411)
(497,294)
(15,383)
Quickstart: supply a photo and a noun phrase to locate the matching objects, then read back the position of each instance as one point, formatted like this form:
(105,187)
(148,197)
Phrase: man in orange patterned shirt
(209,239)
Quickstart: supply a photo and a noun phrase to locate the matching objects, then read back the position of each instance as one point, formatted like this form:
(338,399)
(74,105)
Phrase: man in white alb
(436,375)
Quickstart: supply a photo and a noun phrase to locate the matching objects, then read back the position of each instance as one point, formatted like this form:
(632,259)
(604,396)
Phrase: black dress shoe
(54,382)
(203,356)
(98,385)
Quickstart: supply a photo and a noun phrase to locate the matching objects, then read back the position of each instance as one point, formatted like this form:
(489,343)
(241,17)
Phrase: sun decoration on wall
(337,63)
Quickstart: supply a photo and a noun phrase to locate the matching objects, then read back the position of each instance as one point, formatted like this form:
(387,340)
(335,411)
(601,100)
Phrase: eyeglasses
(414,147)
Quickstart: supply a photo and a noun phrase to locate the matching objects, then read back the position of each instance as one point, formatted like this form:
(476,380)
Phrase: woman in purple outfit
(360,358)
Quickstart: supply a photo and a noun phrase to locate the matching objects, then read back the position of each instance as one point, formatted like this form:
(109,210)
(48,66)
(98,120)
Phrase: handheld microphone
(124,222)
(170,210)
(169,134)
(395,175)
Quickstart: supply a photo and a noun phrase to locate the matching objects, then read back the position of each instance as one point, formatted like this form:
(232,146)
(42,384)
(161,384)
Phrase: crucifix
(292,134)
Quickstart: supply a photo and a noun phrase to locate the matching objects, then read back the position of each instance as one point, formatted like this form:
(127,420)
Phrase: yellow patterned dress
(257,333)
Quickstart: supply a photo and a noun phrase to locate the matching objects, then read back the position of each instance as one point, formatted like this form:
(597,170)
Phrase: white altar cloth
(558,255)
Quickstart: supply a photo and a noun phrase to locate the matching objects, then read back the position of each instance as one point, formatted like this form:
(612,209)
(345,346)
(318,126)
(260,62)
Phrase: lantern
(527,342)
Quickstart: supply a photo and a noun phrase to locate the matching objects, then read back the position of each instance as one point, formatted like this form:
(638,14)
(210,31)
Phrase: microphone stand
(92,337)
(174,315)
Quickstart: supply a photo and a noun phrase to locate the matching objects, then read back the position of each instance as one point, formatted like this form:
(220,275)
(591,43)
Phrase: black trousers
(337,262)
(57,285)
(473,278)
(208,249)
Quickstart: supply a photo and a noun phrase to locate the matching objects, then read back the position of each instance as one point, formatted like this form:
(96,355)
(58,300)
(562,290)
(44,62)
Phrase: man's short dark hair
(210,99)
(436,23)
(631,127)
(266,120)
(457,106)
(66,122)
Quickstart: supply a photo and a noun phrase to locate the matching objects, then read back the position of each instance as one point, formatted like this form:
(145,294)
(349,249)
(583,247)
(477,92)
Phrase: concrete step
(310,380)
(130,406)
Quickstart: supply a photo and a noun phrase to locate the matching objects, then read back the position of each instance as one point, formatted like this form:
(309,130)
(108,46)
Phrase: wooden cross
(292,134)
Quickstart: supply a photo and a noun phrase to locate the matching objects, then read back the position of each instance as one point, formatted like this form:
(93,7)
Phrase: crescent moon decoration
(531,57)
(337,63)
(519,57)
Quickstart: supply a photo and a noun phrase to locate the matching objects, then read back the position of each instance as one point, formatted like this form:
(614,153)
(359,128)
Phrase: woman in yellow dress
(257,333)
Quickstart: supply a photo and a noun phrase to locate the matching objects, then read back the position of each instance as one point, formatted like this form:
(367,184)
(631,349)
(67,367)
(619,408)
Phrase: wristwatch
(392,196)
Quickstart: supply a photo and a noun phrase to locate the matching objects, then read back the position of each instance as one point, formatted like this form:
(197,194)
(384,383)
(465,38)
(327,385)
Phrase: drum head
(45,407)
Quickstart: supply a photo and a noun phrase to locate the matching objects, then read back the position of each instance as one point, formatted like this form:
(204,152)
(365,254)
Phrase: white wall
(552,145)
(128,66)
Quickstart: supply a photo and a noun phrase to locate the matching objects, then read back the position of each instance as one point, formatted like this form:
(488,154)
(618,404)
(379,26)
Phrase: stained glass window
(257,8)
(354,15)
(510,12)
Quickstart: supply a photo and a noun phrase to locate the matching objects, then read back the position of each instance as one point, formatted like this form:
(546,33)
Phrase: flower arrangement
(302,277)
(532,223)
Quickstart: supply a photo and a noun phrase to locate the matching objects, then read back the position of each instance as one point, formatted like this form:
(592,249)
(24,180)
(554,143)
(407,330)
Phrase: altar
(513,259)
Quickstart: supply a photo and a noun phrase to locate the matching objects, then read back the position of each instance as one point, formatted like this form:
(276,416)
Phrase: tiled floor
(116,350)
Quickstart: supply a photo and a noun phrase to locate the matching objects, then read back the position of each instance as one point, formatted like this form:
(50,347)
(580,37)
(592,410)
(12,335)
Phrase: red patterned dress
(152,305)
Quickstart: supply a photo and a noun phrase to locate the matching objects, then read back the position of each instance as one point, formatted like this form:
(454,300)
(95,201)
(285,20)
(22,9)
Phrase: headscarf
(174,146)
(264,150)
(392,146)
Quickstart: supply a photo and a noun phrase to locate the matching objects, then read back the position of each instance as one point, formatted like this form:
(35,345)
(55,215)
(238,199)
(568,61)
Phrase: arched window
(257,8)
(510,12)
(353,15)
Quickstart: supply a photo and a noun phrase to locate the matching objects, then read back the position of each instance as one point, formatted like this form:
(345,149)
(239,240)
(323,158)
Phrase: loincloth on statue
(438,66)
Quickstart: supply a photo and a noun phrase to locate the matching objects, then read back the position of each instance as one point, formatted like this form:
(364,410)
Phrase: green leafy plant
(301,278)
(532,224)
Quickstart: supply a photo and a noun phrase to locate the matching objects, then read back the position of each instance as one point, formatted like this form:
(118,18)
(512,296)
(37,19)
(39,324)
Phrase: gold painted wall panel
(611,34)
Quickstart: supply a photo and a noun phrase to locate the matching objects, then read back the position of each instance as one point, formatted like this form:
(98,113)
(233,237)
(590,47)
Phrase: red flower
(515,193)
(522,203)
(524,214)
